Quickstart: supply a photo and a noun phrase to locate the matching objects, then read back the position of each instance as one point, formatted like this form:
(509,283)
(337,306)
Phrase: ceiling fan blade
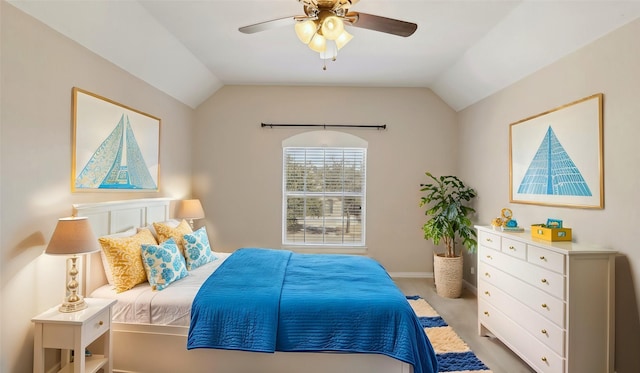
(382,24)
(268,25)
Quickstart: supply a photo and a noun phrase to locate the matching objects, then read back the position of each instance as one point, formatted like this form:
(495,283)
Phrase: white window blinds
(324,196)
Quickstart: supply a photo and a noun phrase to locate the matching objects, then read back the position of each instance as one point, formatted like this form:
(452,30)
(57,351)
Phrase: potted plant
(446,200)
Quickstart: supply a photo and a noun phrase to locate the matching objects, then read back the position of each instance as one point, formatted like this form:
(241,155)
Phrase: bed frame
(151,348)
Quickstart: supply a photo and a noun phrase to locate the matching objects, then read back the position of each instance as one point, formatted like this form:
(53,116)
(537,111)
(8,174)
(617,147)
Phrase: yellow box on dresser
(552,303)
(550,234)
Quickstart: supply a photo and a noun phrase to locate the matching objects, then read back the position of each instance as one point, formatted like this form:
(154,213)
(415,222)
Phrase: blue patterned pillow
(163,263)
(197,250)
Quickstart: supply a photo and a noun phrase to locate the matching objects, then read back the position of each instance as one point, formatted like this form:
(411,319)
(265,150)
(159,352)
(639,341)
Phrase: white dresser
(552,303)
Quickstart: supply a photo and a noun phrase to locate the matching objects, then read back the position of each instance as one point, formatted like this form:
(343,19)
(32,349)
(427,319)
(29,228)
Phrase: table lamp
(190,209)
(72,236)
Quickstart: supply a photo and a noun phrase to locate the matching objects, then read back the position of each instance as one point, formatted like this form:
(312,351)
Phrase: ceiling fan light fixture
(305,30)
(330,52)
(318,43)
(343,39)
(332,27)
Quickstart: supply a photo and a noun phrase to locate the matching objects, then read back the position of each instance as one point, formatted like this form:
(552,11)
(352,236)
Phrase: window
(324,196)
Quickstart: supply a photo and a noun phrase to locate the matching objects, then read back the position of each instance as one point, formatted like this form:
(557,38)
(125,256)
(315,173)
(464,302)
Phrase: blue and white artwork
(553,172)
(556,156)
(115,147)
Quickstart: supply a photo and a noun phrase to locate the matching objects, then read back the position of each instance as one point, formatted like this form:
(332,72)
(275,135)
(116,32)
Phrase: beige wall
(238,164)
(611,66)
(39,69)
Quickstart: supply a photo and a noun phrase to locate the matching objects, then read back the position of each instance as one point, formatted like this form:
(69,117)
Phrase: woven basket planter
(448,275)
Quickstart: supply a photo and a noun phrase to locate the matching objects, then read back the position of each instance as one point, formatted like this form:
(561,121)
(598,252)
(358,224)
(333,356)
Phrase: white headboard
(114,217)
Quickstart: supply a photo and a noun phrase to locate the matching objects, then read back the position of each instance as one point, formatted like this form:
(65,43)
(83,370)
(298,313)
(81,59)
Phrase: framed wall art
(115,147)
(556,157)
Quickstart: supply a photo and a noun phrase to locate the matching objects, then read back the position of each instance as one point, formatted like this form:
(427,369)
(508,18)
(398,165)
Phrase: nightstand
(75,331)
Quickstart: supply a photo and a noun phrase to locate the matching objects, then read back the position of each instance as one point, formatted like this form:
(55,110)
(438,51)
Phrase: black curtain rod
(378,127)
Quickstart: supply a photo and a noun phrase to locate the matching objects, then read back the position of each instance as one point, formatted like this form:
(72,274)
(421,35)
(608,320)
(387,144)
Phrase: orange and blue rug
(453,354)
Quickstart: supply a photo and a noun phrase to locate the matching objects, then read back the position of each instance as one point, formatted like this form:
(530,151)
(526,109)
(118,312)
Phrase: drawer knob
(544,359)
(544,281)
(486,313)
(512,248)
(487,274)
(544,331)
(544,305)
(489,257)
(101,323)
(543,258)
(489,240)
(487,293)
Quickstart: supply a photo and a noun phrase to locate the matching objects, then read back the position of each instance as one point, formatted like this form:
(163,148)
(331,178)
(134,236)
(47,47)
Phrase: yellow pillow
(165,232)
(125,258)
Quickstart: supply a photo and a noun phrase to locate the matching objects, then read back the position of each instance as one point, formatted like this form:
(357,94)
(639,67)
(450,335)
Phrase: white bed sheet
(171,306)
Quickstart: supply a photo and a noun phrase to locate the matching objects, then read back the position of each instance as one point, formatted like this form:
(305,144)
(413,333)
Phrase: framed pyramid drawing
(115,147)
(555,158)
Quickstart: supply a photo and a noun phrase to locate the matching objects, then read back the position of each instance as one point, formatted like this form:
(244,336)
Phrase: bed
(151,339)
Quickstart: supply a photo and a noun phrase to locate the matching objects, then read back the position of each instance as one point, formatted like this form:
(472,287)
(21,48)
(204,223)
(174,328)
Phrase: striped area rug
(453,354)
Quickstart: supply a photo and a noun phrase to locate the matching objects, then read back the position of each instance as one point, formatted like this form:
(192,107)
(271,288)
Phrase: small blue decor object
(512,223)
(554,223)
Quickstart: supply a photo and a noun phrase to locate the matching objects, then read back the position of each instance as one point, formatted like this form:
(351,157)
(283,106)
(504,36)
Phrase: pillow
(123,255)
(163,263)
(105,262)
(171,222)
(197,250)
(166,231)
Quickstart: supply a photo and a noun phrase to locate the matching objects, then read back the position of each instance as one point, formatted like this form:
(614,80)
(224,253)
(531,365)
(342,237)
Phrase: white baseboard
(411,274)
(467,285)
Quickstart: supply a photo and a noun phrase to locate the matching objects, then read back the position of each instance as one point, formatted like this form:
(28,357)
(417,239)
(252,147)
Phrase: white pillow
(105,263)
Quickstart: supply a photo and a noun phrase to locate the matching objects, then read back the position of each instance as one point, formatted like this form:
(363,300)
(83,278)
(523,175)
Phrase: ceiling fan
(322,26)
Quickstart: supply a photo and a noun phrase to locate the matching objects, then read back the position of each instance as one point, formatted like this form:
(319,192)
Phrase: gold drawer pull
(544,359)
(544,331)
(543,258)
(489,240)
(487,274)
(101,323)
(487,293)
(544,305)
(486,313)
(489,257)
(544,281)
(512,248)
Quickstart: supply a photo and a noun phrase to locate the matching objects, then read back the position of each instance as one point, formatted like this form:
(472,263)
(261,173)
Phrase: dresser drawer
(514,248)
(540,327)
(490,240)
(546,258)
(539,301)
(515,337)
(541,278)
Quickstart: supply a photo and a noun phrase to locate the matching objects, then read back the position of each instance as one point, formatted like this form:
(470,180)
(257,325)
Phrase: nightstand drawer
(97,325)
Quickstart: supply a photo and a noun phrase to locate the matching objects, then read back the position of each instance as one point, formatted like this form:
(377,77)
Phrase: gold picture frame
(115,147)
(556,157)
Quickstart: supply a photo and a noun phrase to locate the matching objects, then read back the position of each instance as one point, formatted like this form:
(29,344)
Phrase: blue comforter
(274,300)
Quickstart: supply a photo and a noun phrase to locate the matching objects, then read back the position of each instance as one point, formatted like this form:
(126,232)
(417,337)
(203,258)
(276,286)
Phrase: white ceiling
(463,50)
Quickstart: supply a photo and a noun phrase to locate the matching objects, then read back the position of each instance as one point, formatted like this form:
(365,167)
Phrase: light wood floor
(462,315)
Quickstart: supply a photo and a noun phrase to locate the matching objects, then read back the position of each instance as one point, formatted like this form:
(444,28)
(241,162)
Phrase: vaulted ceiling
(463,50)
